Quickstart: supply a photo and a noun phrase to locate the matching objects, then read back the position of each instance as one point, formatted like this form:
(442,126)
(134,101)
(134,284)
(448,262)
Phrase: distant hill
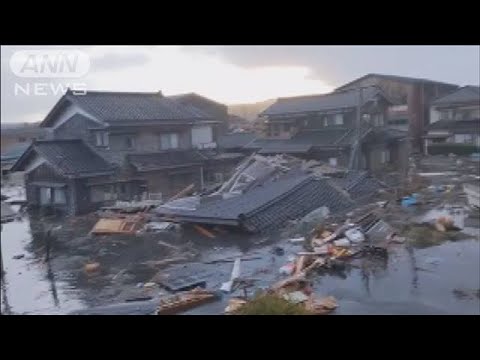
(13,125)
(250,111)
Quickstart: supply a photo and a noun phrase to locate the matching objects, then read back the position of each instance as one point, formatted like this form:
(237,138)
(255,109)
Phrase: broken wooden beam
(183,192)
(204,231)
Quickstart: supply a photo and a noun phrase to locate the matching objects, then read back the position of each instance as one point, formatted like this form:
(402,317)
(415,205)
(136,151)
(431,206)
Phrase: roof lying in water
(70,158)
(266,207)
(359,184)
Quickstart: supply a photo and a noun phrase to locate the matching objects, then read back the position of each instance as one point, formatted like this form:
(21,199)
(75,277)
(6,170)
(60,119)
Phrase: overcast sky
(236,74)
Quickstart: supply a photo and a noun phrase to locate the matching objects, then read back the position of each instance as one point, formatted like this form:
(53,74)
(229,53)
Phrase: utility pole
(355,156)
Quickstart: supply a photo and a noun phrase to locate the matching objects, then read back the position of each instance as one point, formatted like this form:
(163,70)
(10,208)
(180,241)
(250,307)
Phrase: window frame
(101,139)
(169,136)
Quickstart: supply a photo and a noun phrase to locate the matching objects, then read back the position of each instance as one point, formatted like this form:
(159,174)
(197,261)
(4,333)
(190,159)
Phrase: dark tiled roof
(465,94)
(285,147)
(318,103)
(359,184)
(394,77)
(456,126)
(387,134)
(235,140)
(70,158)
(268,206)
(165,159)
(124,106)
(305,140)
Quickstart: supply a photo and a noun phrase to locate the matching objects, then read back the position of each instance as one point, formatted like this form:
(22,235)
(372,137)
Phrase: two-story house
(455,120)
(411,99)
(145,143)
(327,127)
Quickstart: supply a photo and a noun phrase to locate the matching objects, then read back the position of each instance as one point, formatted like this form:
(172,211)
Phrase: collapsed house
(266,192)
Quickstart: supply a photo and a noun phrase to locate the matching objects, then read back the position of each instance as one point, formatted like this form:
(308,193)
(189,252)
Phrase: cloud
(114,61)
(238,74)
(339,64)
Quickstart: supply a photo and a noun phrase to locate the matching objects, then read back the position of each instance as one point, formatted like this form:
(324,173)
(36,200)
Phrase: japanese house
(60,174)
(411,99)
(148,142)
(455,122)
(327,127)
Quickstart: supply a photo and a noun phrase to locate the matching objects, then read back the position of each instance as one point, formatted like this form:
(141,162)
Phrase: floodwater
(29,285)
(442,279)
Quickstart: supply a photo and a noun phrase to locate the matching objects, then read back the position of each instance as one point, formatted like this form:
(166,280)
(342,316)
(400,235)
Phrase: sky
(228,74)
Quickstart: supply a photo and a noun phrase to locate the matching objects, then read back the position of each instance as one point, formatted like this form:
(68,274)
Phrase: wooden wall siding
(44,173)
(76,128)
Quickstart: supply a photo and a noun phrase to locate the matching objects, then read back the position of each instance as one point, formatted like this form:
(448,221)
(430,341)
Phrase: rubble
(159,226)
(92,267)
(267,191)
(299,240)
(177,303)
(227,286)
(123,225)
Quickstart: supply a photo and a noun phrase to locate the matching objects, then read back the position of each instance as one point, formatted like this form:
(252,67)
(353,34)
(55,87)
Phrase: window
(286,127)
(22,139)
(45,196)
(384,156)
(463,138)
(332,162)
(446,114)
(378,120)
(129,142)
(59,196)
(169,141)
(398,122)
(338,119)
(103,193)
(101,138)
(276,129)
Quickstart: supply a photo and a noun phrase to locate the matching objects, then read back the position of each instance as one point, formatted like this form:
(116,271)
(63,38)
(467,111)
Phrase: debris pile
(266,192)
(185,301)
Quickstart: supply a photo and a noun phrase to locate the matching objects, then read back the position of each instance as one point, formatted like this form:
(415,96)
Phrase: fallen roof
(323,102)
(70,158)
(359,184)
(267,206)
(465,94)
(393,77)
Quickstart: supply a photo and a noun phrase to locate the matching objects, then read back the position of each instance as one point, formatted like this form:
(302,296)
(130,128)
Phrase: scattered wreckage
(265,192)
